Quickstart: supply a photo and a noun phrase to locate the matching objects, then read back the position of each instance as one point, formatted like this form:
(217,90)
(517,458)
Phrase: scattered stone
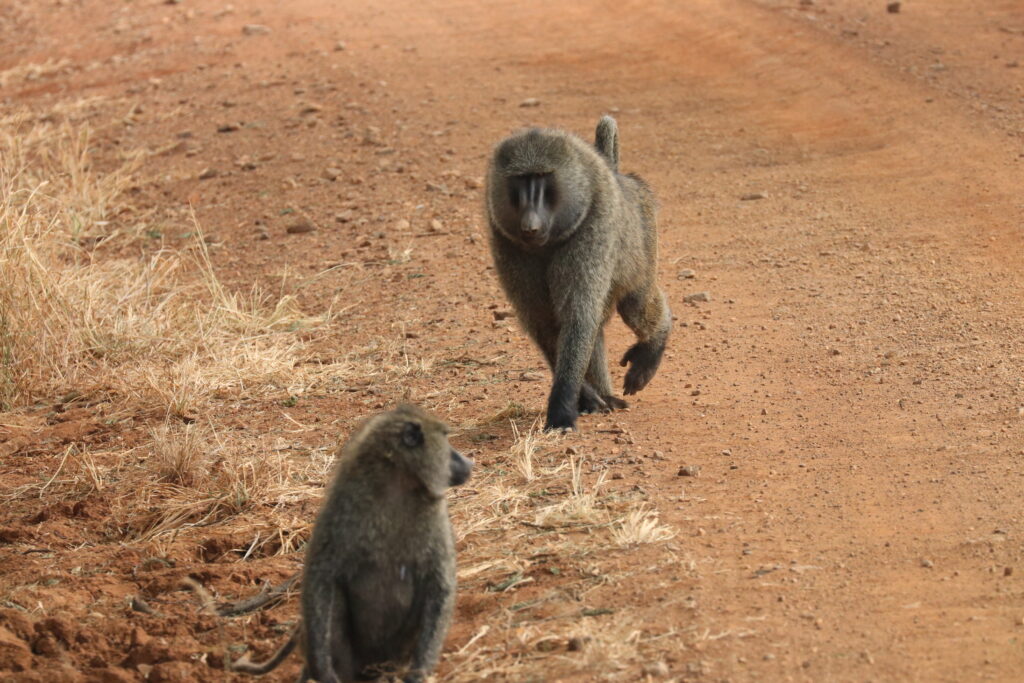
(687,274)
(474,183)
(311,108)
(893,7)
(436,225)
(339,46)
(697,297)
(752,196)
(689,471)
(331,173)
(344,216)
(575,644)
(263,234)
(402,225)
(501,315)
(227,128)
(530,377)
(530,102)
(300,226)
(372,136)
(571,450)
(207,173)
(1007,571)
(656,669)
(927,564)
(255,30)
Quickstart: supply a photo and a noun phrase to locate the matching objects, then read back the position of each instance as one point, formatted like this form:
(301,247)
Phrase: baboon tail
(246,665)
(607,141)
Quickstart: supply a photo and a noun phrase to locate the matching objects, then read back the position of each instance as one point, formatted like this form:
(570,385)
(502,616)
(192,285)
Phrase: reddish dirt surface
(853,392)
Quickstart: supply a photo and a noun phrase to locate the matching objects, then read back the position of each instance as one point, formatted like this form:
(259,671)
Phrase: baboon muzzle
(460,468)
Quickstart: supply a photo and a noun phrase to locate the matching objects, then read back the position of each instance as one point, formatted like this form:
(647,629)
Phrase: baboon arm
(328,644)
(434,622)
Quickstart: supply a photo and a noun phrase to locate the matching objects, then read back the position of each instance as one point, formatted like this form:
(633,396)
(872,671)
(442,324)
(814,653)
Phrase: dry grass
(543,506)
(161,330)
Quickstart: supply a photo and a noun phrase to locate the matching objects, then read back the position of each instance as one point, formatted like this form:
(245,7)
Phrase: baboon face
(537,196)
(424,452)
(533,198)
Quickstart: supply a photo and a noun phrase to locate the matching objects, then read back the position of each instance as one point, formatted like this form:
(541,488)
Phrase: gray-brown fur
(574,240)
(379,581)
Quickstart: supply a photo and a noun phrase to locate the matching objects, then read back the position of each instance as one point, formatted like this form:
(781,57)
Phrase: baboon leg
(646,312)
(596,393)
(328,645)
(592,399)
(433,625)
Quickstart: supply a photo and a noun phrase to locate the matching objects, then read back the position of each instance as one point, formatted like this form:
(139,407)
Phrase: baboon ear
(412,435)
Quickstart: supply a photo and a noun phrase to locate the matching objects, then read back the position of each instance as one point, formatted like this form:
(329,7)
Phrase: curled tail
(606,140)
(246,665)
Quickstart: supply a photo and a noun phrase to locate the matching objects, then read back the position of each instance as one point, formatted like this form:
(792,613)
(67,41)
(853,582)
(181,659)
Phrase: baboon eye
(412,435)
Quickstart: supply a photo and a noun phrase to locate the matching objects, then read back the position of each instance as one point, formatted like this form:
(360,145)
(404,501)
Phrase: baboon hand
(561,419)
(643,362)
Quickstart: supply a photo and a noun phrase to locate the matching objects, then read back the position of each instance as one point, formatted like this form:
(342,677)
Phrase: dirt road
(844,182)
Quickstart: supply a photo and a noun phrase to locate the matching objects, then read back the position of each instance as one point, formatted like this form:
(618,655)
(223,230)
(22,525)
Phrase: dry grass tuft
(162,330)
(641,525)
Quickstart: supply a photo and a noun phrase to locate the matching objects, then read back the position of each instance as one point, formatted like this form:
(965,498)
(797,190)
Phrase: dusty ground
(853,393)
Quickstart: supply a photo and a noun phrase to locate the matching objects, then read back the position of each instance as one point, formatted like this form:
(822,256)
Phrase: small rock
(927,564)
(300,226)
(344,216)
(530,377)
(436,225)
(402,224)
(835,352)
(571,450)
(474,183)
(656,669)
(227,128)
(697,297)
(1007,571)
(689,471)
(752,196)
(311,108)
(339,46)
(530,102)
(255,30)
(501,315)
(207,173)
(372,136)
(893,7)
(575,644)
(687,274)
(331,173)
(263,235)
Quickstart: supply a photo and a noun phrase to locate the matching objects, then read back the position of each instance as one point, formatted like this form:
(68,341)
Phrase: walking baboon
(379,582)
(573,240)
